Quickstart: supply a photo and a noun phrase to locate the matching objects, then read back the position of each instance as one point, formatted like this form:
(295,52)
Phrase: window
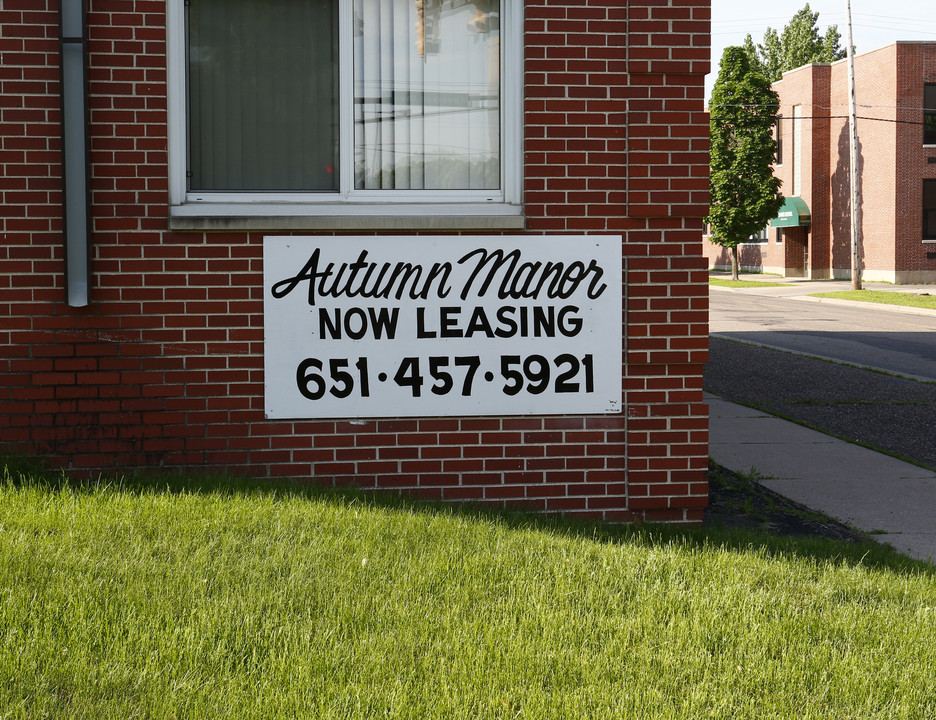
(929,114)
(929,209)
(779,138)
(345,107)
(262,96)
(759,237)
(796,154)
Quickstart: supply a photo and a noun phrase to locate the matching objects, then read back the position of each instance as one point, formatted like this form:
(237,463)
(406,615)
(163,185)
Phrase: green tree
(744,194)
(798,44)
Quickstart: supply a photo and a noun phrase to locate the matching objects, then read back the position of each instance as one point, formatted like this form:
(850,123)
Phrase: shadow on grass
(744,536)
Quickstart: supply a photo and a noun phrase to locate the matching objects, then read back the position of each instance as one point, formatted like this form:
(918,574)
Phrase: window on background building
(345,100)
(929,114)
(759,237)
(779,138)
(929,209)
(797,150)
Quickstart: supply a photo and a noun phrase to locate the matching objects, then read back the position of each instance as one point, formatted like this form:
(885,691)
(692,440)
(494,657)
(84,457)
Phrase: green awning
(793,214)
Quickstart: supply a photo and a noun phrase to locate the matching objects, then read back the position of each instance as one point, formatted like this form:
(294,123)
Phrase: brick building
(450,249)
(894,86)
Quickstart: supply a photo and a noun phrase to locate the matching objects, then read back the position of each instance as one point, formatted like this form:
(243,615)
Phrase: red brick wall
(164,369)
(807,88)
(916,65)
(818,237)
(874,86)
(893,161)
(752,257)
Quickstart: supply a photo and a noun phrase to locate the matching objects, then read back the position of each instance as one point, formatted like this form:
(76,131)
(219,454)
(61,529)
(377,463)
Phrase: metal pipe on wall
(75,151)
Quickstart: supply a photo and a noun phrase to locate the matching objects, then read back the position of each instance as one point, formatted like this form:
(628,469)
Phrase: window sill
(411,216)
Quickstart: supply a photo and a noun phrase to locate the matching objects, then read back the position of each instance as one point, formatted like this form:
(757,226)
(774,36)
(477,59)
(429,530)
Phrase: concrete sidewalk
(871,491)
(868,490)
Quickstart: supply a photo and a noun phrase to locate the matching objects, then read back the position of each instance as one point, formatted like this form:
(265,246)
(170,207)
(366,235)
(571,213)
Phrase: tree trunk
(734,263)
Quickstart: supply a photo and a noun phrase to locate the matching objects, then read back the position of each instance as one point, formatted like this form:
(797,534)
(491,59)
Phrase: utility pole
(854,180)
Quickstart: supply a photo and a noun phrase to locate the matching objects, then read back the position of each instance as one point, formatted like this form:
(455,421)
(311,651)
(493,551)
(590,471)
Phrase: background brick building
(897,165)
(164,365)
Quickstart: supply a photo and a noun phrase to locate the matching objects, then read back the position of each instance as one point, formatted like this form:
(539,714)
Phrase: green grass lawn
(884,296)
(245,601)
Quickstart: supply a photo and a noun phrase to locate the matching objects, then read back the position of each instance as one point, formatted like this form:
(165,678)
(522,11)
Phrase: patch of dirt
(739,501)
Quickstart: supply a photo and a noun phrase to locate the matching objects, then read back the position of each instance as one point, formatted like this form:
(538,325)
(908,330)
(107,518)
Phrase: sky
(874,23)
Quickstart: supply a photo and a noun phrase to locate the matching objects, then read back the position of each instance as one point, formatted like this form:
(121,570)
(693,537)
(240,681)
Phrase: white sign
(431,326)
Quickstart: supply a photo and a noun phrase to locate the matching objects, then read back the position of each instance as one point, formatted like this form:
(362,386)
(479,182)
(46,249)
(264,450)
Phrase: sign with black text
(425,326)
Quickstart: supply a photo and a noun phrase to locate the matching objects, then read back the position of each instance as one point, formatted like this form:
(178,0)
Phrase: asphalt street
(894,410)
(892,413)
(790,316)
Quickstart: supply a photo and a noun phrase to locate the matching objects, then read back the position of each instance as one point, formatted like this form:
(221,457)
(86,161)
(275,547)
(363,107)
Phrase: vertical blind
(427,94)
(264,100)
(263,95)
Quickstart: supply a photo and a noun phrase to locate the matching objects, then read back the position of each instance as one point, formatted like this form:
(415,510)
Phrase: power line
(897,29)
(843,117)
(864,20)
(826,107)
(916,21)
(833,15)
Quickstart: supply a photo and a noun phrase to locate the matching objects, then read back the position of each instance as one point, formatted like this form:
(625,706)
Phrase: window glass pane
(759,237)
(779,137)
(427,94)
(797,154)
(929,114)
(929,209)
(263,109)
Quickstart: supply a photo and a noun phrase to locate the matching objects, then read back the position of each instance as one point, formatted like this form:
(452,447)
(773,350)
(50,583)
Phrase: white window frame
(348,208)
(927,239)
(927,112)
(761,237)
